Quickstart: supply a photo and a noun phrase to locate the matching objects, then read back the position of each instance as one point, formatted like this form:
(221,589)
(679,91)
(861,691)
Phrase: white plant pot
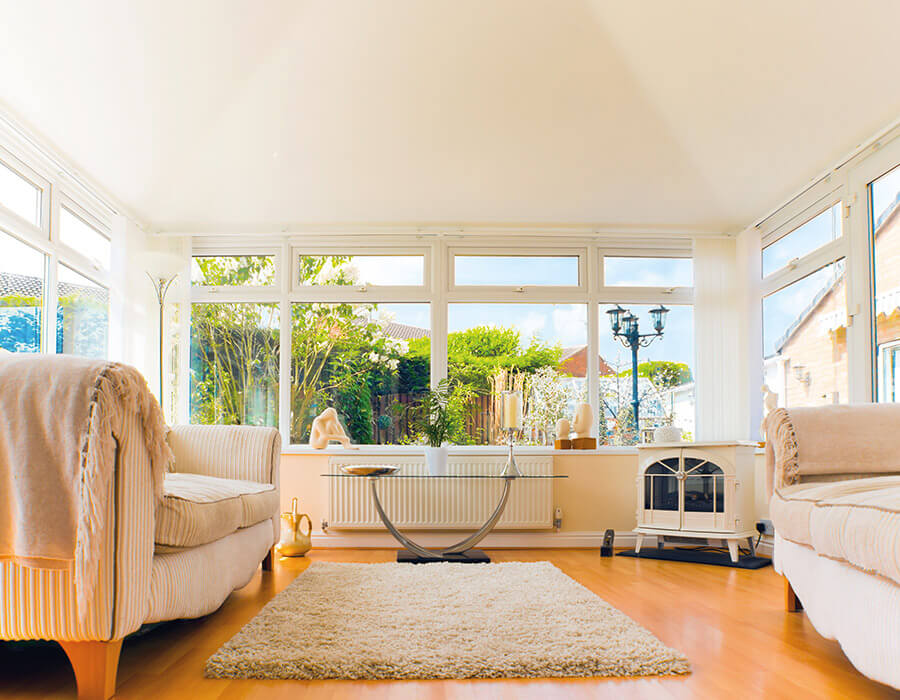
(436,460)
(667,433)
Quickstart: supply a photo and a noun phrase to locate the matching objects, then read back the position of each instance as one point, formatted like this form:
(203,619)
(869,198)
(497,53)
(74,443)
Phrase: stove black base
(472,556)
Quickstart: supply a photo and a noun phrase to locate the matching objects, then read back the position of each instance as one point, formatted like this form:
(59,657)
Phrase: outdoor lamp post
(624,325)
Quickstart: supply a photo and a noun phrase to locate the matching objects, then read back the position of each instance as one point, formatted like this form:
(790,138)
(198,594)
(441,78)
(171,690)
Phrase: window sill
(484,450)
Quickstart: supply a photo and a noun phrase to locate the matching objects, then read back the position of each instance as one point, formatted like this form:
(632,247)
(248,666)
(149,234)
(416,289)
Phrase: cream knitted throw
(60,418)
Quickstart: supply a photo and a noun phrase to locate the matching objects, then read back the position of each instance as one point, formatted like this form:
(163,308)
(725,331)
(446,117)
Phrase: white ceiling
(241,114)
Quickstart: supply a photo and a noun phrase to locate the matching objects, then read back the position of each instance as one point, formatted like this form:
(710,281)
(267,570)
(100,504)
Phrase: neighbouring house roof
(31,286)
(574,361)
(889,216)
(403,331)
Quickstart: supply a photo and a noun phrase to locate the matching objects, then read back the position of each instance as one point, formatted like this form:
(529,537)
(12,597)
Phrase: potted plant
(437,418)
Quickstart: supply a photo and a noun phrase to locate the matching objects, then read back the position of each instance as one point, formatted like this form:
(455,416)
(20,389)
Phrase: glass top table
(447,476)
(463,550)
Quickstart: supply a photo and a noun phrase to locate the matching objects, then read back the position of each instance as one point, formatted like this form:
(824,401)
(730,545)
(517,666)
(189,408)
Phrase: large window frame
(847,182)
(57,191)
(438,290)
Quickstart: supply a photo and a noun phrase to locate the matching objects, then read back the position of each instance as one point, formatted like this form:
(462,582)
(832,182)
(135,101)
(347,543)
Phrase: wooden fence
(391,418)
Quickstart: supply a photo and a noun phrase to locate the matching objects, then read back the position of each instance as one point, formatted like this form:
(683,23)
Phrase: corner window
(76,233)
(82,315)
(884,223)
(805,339)
(806,238)
(19,195)
(21,295)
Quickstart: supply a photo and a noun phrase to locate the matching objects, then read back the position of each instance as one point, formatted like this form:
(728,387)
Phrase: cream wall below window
(599,493)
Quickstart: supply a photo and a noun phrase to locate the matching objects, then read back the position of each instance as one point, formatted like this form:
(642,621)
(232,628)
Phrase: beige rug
(380,621)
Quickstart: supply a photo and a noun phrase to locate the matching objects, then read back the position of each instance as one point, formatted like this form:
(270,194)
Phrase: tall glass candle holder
(511,421)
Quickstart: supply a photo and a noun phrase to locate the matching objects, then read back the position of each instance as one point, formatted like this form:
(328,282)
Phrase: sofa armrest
(227,451)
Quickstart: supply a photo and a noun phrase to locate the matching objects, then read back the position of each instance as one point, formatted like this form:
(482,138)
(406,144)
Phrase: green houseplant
(437,419)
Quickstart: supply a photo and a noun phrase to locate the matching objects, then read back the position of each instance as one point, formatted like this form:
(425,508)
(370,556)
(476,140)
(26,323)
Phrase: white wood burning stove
(699,490)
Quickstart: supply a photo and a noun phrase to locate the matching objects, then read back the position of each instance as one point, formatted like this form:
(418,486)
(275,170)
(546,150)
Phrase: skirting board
(356,539)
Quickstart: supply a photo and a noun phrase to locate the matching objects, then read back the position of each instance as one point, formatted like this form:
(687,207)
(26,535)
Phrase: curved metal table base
(459,547)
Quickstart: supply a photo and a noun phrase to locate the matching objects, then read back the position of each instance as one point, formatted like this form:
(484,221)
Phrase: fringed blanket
(59,420)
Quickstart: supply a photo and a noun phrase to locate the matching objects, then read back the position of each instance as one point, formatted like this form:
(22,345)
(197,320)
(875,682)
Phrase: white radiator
(441,504)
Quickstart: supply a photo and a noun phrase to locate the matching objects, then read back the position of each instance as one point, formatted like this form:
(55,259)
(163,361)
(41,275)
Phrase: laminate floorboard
(729,622)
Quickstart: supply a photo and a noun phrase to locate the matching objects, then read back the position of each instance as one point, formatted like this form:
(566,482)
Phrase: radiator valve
(557,518)
(324,525)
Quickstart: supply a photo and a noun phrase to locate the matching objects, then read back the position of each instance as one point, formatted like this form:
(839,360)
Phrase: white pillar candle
(511,410)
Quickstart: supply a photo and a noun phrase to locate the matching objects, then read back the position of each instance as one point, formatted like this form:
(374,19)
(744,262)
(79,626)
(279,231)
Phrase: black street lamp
(624,325)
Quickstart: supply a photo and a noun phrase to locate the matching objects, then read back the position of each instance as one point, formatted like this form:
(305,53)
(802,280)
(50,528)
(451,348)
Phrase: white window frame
(45,238)
(516,293)
(31,176)
(439,291)
(223,292)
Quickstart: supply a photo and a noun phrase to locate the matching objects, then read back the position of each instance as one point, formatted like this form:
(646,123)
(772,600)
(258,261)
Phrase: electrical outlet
(765,527)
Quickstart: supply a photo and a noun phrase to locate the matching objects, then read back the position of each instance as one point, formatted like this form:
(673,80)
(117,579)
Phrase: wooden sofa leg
(95,665)
(269,561)
(791,601)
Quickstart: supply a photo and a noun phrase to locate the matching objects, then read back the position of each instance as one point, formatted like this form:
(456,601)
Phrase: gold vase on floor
(294,542)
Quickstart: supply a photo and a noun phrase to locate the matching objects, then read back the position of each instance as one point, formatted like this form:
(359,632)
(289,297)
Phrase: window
(21,295)
(234,364)
(540,349)
(648,272)
(369,361)
(233,270)
(82,315)
(375,270)
(368,329)
(519,271)
(805,339)
(884,207)
(19,195)
(801,241)
(665,377)
(79,235)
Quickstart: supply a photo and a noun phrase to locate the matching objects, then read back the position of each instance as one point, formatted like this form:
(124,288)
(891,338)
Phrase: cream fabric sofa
(834,484)
(179,559)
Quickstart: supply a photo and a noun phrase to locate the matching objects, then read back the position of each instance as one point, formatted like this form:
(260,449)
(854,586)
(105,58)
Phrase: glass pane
(233,270)
(376,270)
(664,492)
(370,362)
(19,195)
(648,272)
(81,236)
(665,388)
(531,270)
(696,467)
(703,494)
(805,339)
(885,198)
(540,349)
(82,315)
(660,468)
(21,295)
(815,233)
(234,364)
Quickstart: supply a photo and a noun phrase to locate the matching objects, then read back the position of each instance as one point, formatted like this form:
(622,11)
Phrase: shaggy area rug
(389,621)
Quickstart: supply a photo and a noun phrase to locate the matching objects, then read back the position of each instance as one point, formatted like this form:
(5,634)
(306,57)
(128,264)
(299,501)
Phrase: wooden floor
(729,622)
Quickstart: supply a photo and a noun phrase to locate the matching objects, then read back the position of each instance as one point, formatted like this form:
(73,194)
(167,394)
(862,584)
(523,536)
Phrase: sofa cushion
(861,528)
(197,509)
